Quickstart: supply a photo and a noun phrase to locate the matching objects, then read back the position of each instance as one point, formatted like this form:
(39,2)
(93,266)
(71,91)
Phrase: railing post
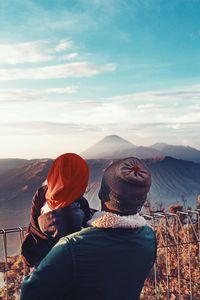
(6,260)
(155,268)
(178,257)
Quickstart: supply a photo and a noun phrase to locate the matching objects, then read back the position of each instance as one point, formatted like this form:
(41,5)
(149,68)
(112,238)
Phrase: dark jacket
(45,230)
(100,264)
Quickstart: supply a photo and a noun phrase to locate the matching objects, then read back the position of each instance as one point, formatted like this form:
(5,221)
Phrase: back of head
(67,180)
(124,186)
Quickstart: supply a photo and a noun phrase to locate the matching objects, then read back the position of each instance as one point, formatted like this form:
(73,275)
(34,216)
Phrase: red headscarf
(67,180)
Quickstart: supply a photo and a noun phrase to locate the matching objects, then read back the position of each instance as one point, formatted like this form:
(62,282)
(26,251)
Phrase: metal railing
(175,274)
(11,266)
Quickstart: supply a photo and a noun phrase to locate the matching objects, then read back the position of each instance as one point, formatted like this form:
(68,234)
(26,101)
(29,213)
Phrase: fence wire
(176,273)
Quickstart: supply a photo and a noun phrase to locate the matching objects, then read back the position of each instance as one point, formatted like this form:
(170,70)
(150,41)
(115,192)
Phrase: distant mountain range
(172,180)
(173,177)
(179,152)
(115,147)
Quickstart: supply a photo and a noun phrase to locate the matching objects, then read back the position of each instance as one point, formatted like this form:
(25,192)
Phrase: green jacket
(94,264)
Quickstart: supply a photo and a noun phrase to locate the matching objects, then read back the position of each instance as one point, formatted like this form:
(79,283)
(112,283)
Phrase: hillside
(174,178)
(10,163)
(17,186)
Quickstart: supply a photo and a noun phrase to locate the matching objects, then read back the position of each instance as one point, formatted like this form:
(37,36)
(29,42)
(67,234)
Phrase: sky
(75,71)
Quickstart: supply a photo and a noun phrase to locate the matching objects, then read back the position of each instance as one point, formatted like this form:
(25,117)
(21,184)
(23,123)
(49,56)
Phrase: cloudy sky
(74,71)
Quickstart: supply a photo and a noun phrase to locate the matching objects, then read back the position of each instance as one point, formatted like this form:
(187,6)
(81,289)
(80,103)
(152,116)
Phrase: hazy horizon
(73,72)
(91,146)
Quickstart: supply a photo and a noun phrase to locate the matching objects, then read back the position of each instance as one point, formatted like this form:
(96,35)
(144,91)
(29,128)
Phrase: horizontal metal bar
(12,230)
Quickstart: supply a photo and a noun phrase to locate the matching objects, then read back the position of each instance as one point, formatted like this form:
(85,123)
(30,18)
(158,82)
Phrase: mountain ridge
(115,147)
(178,151)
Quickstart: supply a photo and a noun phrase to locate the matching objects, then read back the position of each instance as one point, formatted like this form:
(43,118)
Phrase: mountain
(146,153)
(17,186)
(179,152)
(111,146)
(10,163)
(115,147)
(172,179)
(24,176)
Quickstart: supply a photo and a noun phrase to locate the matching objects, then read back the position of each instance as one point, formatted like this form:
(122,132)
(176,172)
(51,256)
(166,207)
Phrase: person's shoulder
(38,199)
(42,189)
(147,234)
(40,192)
(83,232)
(80,235)
(148,230)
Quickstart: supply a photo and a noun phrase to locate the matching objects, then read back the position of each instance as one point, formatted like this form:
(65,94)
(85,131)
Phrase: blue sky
(72,72)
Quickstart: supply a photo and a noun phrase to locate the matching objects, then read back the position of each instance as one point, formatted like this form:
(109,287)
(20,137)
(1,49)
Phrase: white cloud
(65,90)
(99,112)
(146,120)
(64,45)
(19,95)
(92,119)
(175,126)
(69,56)
(190,92)
(34,52)
(78,69)
(147,106)
(40,127)
(28,52)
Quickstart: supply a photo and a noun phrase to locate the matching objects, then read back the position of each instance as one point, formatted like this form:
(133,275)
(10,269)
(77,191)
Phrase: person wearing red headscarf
(58,207)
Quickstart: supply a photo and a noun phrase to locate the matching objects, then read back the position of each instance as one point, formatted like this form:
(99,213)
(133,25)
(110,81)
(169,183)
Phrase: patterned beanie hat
(125,185)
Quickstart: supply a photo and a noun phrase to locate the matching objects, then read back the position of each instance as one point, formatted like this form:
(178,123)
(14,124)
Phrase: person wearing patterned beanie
(125,185)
